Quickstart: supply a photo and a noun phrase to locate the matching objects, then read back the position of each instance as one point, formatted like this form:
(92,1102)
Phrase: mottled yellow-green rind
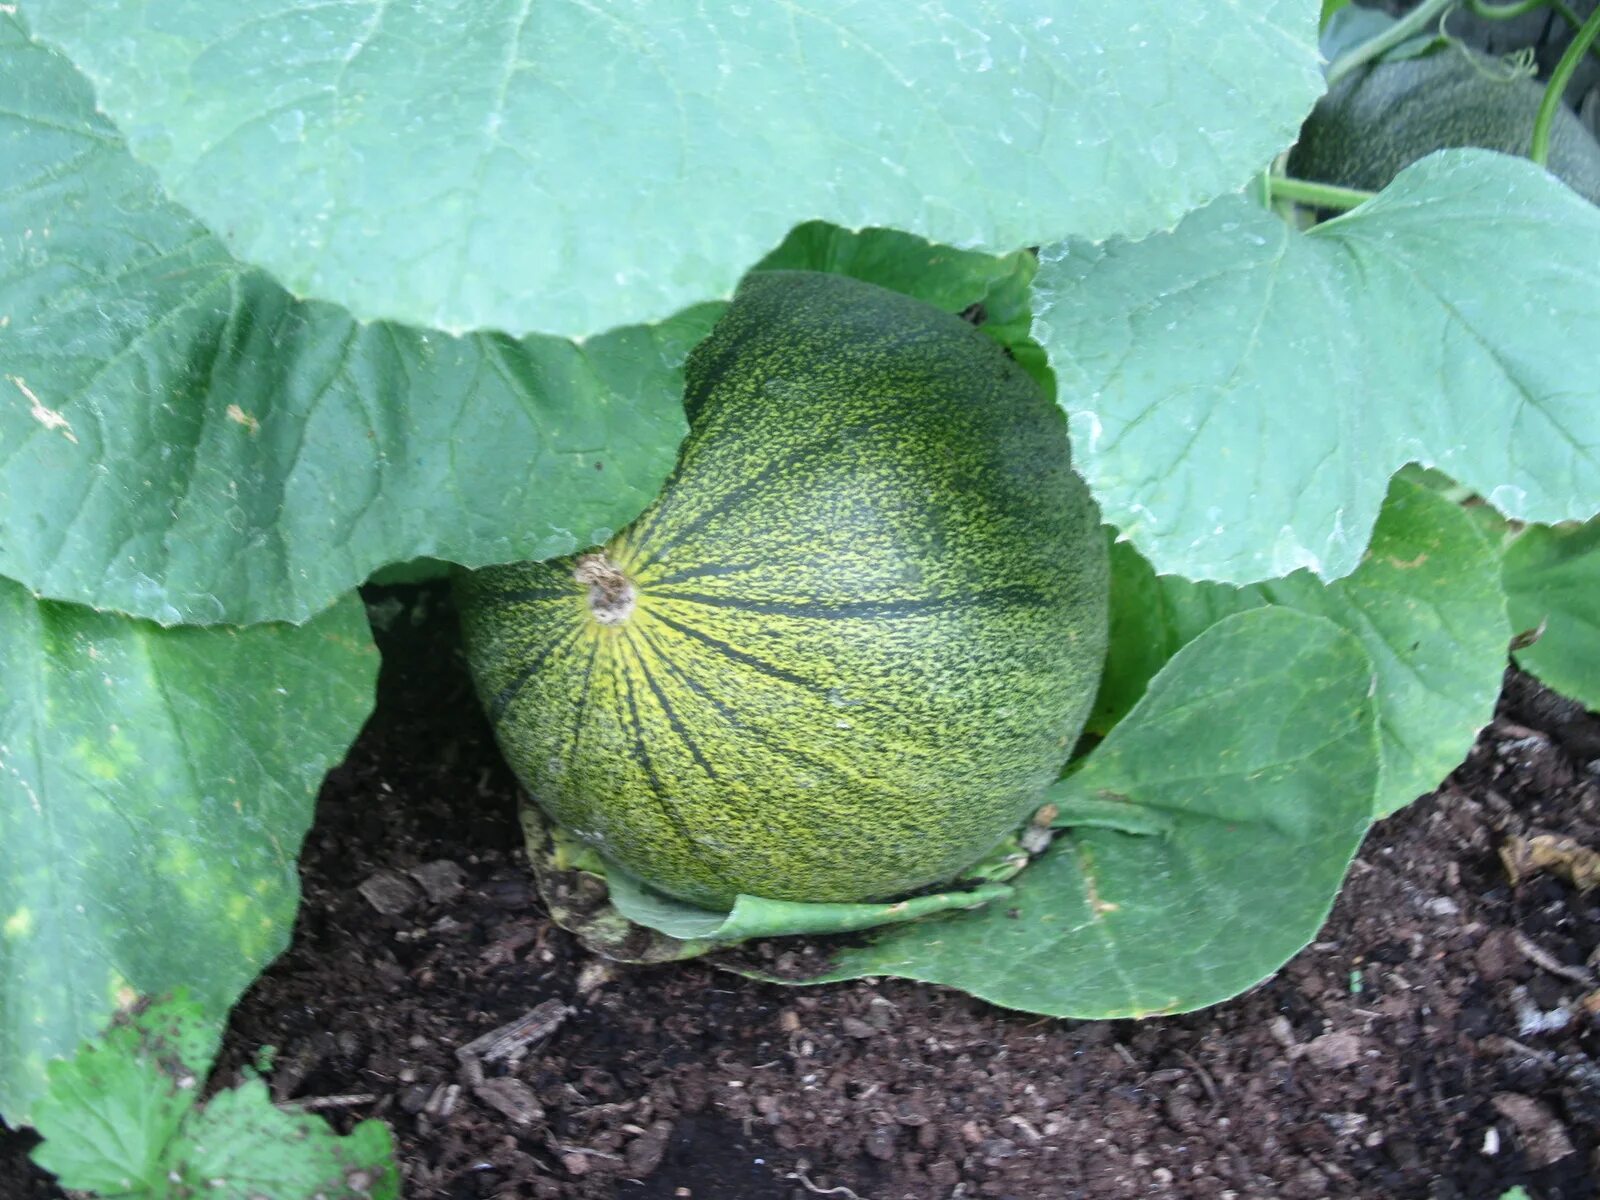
(870,620)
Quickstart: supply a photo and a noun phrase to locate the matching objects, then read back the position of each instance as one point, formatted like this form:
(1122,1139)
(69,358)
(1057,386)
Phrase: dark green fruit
(845,650)
(1384,117)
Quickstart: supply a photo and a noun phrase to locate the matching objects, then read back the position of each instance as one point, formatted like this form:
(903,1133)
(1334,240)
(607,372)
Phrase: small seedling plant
(294,293)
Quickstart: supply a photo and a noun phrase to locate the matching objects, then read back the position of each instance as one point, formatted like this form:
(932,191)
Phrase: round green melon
(1387,115)
(848,646)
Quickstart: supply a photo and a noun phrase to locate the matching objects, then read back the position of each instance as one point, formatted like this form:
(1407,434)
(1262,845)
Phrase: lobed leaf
(155,785)
(575,165)
(1254,755)
(113,1108)
(1239,393)
(122,1118)
(242,1147)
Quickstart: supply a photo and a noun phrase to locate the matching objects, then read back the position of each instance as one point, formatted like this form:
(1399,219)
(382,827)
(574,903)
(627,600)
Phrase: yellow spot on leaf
(47,417)
(1097,906)
(239,417)
(122,992)
(180,860)
(1408,564)
(19,924)
(101,767)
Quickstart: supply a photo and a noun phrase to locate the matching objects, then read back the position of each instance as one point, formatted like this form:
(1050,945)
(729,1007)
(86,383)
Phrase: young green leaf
(111,1110)
(121,1118)
(571,166)
(154,788)
(755,917)
(242,1147)
(632,922)
(1240,393)
(1552,580)
(1426,604)
(182,440)
(1256,746)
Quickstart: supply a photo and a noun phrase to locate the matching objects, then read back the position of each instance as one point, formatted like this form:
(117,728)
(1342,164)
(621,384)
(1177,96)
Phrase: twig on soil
(1026,1128)
(1206,1081)
(1541,957)
(511,1041)
(316,1103)
(442,1103)
(1518,735)
(1498,1043)
(841,1190)
(582,1152)
(1532,1020)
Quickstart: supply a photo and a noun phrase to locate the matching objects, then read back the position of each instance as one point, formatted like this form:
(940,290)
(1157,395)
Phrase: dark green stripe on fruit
(737,657)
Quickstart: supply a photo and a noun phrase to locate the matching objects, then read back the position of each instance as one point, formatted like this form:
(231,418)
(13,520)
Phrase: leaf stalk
(1559,78)
(1319,195)
(1412,23)
(1505,12)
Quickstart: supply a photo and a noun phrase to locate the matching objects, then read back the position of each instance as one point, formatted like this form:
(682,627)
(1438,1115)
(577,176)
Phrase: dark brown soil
(1438,1040)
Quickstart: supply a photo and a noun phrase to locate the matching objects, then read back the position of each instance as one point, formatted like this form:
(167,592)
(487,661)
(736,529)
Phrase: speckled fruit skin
(866,620)
(1386,116)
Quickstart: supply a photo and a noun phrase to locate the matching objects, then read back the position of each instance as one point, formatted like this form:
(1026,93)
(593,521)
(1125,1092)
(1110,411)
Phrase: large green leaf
(938,275)
(1552,580)
(182,440)
(1240,393)
(1254,756)
(1426,604)
(122,1118)
(154,788)
(574,165)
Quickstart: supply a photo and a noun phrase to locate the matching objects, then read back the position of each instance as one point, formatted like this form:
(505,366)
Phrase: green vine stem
(1559,78)
(1571,18)
(1505,12)
(1321,195)
(1412,23)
